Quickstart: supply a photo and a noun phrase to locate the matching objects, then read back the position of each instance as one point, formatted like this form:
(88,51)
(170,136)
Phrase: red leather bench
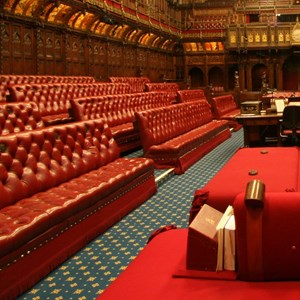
(169,87)
(20,116)
(53,100)
(225,108)
(7,80)
(177,136)
(277,167)
(61,186)
(118,111)
(190,95)
(137,83)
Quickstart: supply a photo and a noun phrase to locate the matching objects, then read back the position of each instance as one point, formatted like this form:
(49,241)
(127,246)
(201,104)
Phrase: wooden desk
(259,128)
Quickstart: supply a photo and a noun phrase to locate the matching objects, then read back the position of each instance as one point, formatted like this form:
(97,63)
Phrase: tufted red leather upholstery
(137,83)
(178,135)
(47,176)
(53,100)
(169,87)
(226,108)
(35,161)
(118,111)
(7,80)
(16,117)
(190,95)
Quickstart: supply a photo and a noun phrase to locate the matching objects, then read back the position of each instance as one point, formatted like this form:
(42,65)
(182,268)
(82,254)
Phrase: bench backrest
(223,104)
(53,99)
(118,109)
(191,95)
(34,161)
(17,117)
(137,83)
(170,87)
(162,124)
(162,86)
(7,80)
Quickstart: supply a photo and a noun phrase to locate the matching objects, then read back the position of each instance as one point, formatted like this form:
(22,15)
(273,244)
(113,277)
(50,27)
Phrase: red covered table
(150,276)
(276,167)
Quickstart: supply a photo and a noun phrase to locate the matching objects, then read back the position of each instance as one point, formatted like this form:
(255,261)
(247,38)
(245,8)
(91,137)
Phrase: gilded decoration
(232,38)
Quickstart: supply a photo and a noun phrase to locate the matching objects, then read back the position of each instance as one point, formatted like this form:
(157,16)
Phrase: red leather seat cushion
(30,217)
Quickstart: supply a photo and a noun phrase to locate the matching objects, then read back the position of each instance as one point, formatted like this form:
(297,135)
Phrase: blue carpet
(90,271)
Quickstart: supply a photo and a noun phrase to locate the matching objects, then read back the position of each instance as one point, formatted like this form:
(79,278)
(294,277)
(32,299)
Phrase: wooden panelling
(54,51)
(129,62)
(97,58)
(76,56)
(17,49)
(114,60)
(50,52)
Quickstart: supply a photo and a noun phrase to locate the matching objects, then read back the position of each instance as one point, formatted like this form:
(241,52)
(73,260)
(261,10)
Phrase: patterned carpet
(90,271)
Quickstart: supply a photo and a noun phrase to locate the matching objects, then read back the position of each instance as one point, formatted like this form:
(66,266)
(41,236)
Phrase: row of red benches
(147,119)
(61,186)
(223,107)
(53,100)
(118,109)
(119,113)
(59,181)
(8,80)
(137,84)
